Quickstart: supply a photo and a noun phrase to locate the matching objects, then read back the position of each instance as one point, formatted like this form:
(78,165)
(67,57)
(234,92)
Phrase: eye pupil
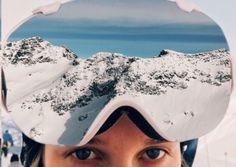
(153,153)
(83,154)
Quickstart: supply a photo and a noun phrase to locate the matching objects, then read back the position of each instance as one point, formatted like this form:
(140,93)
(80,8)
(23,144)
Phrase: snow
(6,160)
(54,82)
(217,149)
(8,124)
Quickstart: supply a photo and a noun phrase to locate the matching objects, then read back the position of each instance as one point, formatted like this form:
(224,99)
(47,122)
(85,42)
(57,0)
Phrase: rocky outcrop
(112,74)
(34,50)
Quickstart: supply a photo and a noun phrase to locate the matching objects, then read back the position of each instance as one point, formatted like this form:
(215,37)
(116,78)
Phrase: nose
(125,162)
(124,159)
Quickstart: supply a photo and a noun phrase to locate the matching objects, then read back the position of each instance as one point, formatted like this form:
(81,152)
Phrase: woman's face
(123,145)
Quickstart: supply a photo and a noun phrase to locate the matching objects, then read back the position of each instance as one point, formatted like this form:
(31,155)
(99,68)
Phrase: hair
(32,153)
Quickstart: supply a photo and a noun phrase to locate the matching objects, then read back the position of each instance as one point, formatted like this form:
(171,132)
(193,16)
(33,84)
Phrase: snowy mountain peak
(54,75)
(166,52)
(106,75)
(35,50)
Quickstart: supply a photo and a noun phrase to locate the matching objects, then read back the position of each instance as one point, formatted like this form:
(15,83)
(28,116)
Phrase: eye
(84,154)
(154,154)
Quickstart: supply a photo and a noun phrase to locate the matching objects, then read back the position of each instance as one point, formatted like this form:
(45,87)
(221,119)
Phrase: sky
(89,26)
(132,11)
(122,13)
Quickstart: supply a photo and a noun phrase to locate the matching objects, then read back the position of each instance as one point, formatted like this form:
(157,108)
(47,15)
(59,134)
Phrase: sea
(140,41)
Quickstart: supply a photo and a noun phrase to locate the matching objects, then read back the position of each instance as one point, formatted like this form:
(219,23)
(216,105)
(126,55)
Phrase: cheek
(175,159)
(163,162)
(166,161)
(170,159)
(50,158)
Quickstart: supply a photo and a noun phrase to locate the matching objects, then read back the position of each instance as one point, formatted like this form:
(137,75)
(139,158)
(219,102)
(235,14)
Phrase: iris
(83,154)
(154,153)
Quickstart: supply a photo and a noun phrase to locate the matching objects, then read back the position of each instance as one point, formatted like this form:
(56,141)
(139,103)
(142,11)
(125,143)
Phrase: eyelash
(97,154)
(73,153)
(164,152)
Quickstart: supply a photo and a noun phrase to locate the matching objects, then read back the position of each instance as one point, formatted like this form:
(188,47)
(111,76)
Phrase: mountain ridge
(113,74)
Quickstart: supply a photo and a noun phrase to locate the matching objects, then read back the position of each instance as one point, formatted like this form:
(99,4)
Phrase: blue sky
(125,26)
(123,13)
(129,12)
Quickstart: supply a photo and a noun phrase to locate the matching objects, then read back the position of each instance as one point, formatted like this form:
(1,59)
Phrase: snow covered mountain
(31,64)
(34,50)
(42,66)
(54,82)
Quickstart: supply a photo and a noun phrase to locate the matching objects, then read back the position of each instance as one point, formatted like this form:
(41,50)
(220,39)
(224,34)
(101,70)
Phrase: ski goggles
(182,97)
(67,100)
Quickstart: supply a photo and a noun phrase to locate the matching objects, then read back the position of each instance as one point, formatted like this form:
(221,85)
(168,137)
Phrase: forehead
(122,130)
(125,138)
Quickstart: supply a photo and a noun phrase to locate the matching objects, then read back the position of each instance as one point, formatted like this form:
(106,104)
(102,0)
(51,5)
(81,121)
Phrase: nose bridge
(124,157)
(126,161)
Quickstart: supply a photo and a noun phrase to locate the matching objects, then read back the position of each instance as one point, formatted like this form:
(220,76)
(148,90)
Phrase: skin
(123,145)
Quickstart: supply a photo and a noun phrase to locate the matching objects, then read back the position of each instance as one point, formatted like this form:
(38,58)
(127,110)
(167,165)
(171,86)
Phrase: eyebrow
(95,141)
(154,141)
